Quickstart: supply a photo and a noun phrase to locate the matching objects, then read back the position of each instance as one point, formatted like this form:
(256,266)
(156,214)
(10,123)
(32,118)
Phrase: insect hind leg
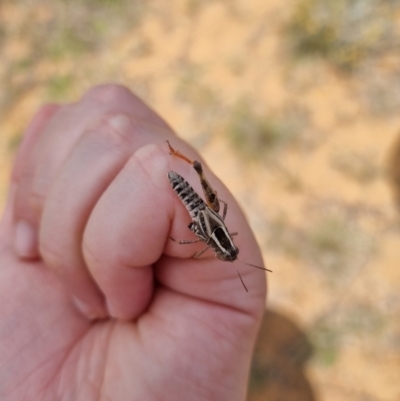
(225,211)
(186,242)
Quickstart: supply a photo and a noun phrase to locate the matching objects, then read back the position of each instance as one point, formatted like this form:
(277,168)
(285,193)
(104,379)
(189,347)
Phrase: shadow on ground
(281,353)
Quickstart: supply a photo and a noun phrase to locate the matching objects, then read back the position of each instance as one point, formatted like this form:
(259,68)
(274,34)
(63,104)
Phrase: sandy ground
(320,203)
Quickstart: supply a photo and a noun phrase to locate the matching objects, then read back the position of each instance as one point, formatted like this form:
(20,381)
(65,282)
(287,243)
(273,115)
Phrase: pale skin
(96,303)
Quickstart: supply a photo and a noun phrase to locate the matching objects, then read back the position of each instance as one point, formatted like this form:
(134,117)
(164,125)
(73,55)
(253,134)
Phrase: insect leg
(184,242)
(241,278)
(198,254)
(176,153)
(209,192)
(225,211)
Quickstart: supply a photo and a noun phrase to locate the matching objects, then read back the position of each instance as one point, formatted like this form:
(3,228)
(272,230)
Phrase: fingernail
(88,310)
(120,122)
(26,240)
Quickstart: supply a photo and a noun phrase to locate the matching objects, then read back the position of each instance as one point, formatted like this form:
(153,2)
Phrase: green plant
(346,32)
(360,167)
(68,42)
(285,238)
(326,342)
(59,86)
(14,142)
(192,90)
(333,244)
(255,135)
(330,244)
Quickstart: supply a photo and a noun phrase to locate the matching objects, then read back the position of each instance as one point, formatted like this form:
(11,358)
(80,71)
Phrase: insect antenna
(258,267)
(240,277)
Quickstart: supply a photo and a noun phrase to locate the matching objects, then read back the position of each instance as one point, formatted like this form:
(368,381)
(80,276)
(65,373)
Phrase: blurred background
(295,106)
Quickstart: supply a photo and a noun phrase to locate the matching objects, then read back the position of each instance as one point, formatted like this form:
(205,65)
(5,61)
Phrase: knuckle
(114,130)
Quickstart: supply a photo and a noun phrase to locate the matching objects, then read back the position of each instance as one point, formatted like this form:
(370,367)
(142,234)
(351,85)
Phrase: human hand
(96,303)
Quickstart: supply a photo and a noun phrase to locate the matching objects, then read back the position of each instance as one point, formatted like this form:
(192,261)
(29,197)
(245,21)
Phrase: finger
(60,137)
(91,166)
(31,136)
(135,211)
(128,232)
(26,241)
(57,141)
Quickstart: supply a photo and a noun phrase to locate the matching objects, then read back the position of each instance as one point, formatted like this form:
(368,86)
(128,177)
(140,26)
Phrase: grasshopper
(206,223)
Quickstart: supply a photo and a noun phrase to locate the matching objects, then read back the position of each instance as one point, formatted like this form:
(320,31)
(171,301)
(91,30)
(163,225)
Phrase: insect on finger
(206,223)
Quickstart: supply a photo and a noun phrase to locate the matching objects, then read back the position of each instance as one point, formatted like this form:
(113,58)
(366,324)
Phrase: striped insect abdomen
(187,194)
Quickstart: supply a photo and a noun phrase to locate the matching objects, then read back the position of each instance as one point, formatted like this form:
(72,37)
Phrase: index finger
(128,251)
